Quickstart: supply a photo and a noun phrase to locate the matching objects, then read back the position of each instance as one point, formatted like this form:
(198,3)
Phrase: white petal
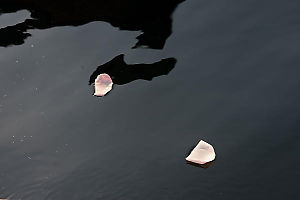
(103,84)
(202,153)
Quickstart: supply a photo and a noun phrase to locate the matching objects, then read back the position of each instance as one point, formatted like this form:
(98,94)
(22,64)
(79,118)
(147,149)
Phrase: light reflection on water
(10,19)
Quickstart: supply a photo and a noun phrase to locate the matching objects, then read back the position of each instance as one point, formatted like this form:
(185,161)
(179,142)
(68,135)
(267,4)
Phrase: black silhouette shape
(122,73)
(152,17)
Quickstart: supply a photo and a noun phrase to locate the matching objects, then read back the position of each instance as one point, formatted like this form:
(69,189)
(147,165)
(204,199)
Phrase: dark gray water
(235,84)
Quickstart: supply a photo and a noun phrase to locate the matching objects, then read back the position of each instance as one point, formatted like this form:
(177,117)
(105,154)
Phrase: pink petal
(103,84)
(202,153)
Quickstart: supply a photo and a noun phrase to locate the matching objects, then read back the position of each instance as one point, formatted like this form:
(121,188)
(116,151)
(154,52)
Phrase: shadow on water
(205,166)
(153,17)
(122,73)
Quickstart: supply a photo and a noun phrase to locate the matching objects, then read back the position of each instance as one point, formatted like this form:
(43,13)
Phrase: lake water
(232,80)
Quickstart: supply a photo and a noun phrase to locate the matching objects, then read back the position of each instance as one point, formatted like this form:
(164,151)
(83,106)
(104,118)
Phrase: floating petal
(103,84)
(202,153)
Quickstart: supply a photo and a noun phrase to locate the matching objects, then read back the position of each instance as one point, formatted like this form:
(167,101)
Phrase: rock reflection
(122,73)
(152,18)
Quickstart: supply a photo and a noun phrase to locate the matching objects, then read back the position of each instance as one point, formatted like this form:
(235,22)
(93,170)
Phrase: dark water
(233,71)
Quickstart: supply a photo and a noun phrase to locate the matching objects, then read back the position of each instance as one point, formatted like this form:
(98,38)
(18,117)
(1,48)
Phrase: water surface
(234,83)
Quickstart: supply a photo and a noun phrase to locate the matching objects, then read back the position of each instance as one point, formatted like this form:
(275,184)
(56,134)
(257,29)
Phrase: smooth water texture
(226,72)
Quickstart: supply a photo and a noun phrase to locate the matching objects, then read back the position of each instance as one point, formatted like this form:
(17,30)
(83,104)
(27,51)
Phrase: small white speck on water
(27,156)
(5,95)
(32,45)
(13,136)
(17,61)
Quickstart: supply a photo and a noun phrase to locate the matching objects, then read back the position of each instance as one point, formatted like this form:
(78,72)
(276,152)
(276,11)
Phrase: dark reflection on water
(235,84)
(153,17)
(122,73)
(205,166)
